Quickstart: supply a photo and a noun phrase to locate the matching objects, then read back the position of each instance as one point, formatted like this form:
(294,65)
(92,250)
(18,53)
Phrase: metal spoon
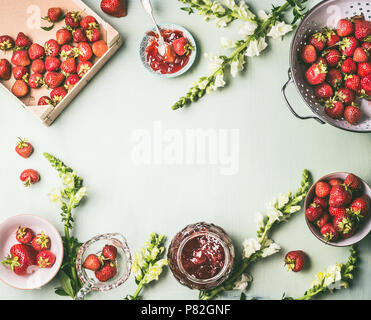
(161,42)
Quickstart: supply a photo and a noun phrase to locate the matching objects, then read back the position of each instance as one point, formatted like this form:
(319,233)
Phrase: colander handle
(289,105)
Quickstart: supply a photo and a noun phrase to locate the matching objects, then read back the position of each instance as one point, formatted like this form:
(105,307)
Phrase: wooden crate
(25,16)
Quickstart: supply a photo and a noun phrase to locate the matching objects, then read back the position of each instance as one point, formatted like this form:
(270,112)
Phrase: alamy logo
(160,146)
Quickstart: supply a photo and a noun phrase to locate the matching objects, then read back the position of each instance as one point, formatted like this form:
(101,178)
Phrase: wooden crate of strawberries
(48,56)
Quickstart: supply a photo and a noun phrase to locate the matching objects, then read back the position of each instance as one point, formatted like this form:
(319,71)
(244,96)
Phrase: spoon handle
(148,8)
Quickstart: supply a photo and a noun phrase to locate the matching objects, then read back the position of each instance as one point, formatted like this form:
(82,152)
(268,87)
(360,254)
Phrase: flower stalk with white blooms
(67,198)
(334,277)
(254,249)
(148,264)
(255,30)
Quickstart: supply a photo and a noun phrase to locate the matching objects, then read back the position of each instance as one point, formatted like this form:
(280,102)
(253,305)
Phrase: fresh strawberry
(22,41)
(53,79)
(36,51)
(109,252)
(366,46)
(41,242)
(24,235)
(5,69)
(92,262)
(322,202)
(321,60)
(353,82)
(79,35)
(295,260)
(52,64)
(360,207)
(182,47)
(366,83)
(68,66)
(349,66)
(107,272)
(72,19)
(71,81)
(313,212)
(115,8)
(44,101)
(348,46)
(340,196)
(169,55)
(85,51)
(24,148)
(89,22)
(6,43)
(325,218)
(58,94)
(38,66)
(52,48)
(21,257)
(54,14)
(21,58)
(335,211)
(334,182)
(35,80)
(45,259)
(20,88)
(93,35)
(322,189)
(343,225)
(29,176)
(352,114)
(346,95)
(364,69)
(328,232)
(63,36)
(20,73)
(332,57)
(332,37)
(316,74)
(334,108)
(68,51)
(99,48)
(334,78)
(353,182)
(344,28)
(83,68)
(362,29)
(361,55)
(323,91)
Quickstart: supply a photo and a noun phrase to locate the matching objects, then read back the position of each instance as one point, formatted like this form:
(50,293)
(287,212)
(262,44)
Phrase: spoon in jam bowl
(162,45)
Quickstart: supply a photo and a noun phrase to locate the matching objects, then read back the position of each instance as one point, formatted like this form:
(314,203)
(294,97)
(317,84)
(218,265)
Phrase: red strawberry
(36,51)
(322,189)
(344,27)
(334,77)
(332,57)
(366,83)
(361,55)
(22,41)
(45,259)
(85,51)
(115,8)
(21,58)
(322,202)
(340,196)
(24,235)
(38,66)
(20,73)
(364,69)
(68,66)
(63,36)
(93,35)
(336,211)
(348,46)
(53,79)
(21,257)
(83,68)
(68,51)
(24,148)
(349,66)
(316,74)
(107,272)
(353,182)
(352,114)
(54,14)
(72,19)
(366,46)
(88,23)
(92,262)
(332,37)
(343,225)
(5,69)
(295,260)
(334,182)
(79,35)
(345,95)
(99,48)
(52,64)
(328,232)
(362,29)
(71,81)
(29,176)
(353,82)
(52,48)
(58,94)
(360,207)
(41,242)
(322,60)
(313,212)
(109,252)
(323,91)
(20,88)
(334,108)
(6,43)
(182,47)
(323,220)
(44,101)
(35,80)
(318,40)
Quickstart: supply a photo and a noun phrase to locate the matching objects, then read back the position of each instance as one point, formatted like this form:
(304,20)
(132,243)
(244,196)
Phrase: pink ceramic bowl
(39,277)
(364,227)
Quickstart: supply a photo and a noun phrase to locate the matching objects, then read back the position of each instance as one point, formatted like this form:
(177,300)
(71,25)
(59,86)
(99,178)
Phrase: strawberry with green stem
(45,259)
(41,242)
(20,259)
(29,177)
(24,235)
(329,232)
(24,148)
(295,260)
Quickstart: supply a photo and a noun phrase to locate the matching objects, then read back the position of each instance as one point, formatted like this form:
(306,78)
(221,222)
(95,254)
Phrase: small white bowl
(145,41)
(39,277)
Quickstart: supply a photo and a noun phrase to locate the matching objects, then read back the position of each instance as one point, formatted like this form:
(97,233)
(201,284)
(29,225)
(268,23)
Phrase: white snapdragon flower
(271,249)
(250,246)
(279,30)
(243,282)
(237,65)
(255,47)
(262,15)
(217,7)
(215,62)
(283,199)
(243,11)
(231,4)
(294,209)
(248,28)
(56,196)
(68,179)
(227,44)
(155,271)
(80,194)
(259,220)
(274,215)
(203,84)
(332,275)
(223,22)
(219,82)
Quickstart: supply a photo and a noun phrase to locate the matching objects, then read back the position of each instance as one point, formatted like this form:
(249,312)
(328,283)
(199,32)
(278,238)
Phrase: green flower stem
(137,292)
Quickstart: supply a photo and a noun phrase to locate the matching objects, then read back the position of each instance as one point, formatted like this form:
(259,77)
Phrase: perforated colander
(326,13)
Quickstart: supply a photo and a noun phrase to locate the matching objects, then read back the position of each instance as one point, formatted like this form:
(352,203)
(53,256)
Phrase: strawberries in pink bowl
(338,209)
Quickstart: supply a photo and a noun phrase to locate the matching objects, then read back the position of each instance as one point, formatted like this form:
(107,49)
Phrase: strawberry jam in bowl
(201,256)
(180,51)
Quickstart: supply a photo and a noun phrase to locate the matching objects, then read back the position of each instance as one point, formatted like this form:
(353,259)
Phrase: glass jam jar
(201,256)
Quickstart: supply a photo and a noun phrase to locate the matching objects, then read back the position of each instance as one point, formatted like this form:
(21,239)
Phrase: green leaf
(60,292)
(187,9)
(66,284)
(48,28)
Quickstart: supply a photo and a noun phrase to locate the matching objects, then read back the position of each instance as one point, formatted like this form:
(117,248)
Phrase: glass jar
(201,256)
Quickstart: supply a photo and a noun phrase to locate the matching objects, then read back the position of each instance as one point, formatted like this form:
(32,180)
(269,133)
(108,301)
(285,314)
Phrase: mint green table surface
(94,136)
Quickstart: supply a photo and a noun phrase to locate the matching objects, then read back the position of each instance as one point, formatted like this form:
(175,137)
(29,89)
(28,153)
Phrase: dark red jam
(203,257)
(156,61)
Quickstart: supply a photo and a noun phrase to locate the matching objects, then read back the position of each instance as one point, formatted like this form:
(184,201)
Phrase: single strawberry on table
(109,252)
(54,14)
(20,88)
(92,262)
(107,272)
(5,69)
(29,176)
(24,235)
(295,260)
(115,8)
(24,148)
(20,259)
(41,242)
(45,259)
